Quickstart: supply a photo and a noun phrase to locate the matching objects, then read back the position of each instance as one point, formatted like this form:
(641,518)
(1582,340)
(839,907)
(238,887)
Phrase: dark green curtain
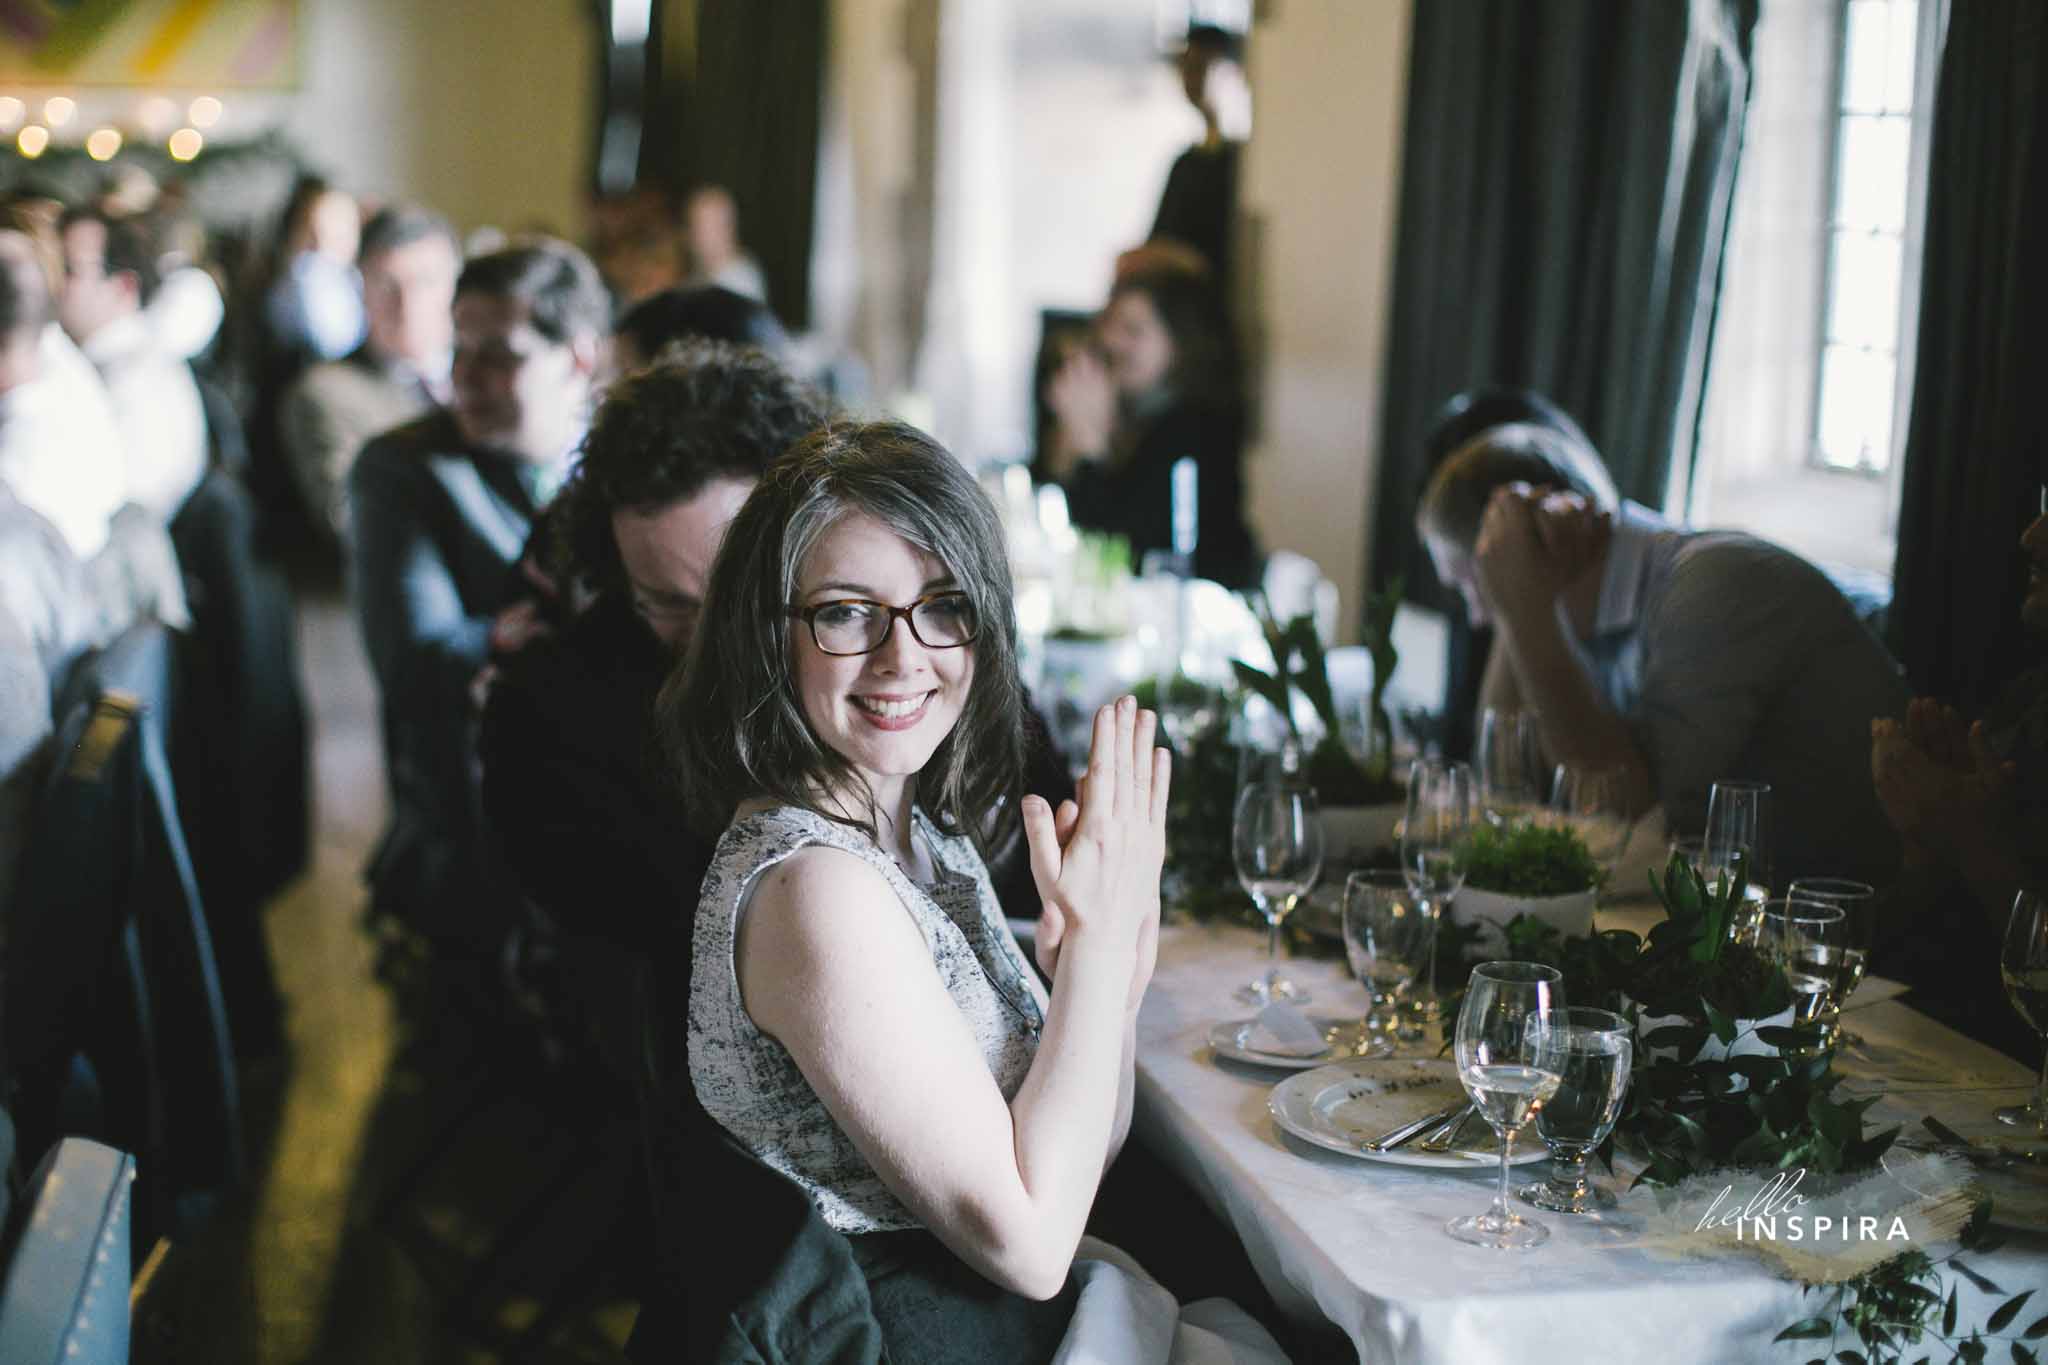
(1975,450)
(738,97)
(1567,173)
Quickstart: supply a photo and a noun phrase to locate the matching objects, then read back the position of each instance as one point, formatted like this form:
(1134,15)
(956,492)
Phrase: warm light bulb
(204,112)
(103,143)
(58,109)
(31,140)
(11,112)
(185,144)
(156,116)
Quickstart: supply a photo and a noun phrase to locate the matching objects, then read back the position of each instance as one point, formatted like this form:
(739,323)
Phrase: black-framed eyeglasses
(854,625)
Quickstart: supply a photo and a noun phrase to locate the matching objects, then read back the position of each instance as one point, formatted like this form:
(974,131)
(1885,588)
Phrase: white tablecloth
(1361,1245)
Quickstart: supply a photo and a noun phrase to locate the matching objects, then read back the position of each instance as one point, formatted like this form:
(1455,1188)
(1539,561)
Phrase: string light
(31,140)
(103,143)
(204,112)
(58,109)
(156,116)
(185,144)
(12,111)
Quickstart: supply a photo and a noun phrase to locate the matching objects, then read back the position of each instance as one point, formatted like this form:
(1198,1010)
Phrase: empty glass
(1387,936)
(1599,1050)
(1276,838)
(1858,903)
(1511,1050)
(2023,964)
(1592,800)
(1810,941)
(1510,785)
(1433,833)
(1738,822)
(1189,708)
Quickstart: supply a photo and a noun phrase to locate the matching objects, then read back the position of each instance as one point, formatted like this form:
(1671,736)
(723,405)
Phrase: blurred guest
(637,242)
(1679,657)
(409,263)
(1198,208)
(110,278)
(439,511)
(315,301)
(709,311)
(1160,385)
(711,244)
(186,310)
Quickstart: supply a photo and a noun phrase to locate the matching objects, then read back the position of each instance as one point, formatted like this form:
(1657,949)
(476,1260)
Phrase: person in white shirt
(711,242)
(110,277)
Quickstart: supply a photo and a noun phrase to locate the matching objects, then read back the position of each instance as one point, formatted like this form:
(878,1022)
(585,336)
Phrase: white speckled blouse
(748,1082)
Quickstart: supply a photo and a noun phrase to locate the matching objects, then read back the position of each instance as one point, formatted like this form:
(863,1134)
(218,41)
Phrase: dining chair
(64,1294)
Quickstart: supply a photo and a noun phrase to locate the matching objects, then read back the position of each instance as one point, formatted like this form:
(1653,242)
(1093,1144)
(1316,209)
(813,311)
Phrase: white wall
(1322,173)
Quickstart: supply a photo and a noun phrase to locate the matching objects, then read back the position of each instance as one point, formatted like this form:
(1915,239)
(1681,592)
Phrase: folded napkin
(1285,1031)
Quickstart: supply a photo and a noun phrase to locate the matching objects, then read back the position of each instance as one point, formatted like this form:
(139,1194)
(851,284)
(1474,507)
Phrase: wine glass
(1387,931)
(1433,834)
(1188,709)
(1511,1050)
(1599,1049)
(1811,941)
(1276,841)
(1592,800)
(1508,764)
(1738,822)
(2023,963)
(1858,902)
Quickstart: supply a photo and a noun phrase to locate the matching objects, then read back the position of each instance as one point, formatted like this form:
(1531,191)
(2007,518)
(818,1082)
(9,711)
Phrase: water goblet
(1276,839)
(1858,901)
(1387,931)
(1600,1048)
(1591,800)
(1509,764)
(1511,1051)
(2023,965)
(1811,941)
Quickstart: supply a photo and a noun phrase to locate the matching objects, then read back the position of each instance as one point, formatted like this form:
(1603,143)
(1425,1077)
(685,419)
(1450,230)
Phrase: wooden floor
(299,1269)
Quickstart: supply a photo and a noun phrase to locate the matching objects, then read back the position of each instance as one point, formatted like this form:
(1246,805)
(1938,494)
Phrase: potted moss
(1524,868)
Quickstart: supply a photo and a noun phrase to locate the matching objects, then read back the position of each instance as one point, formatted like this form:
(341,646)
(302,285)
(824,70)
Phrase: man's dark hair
(704,410)
(1467,414)
(705,312)
(402,225)
(131,245)
(1213,41)
(559,286)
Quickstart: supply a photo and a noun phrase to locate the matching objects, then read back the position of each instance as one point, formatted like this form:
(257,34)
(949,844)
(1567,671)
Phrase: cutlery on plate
(1387,1142)
(1446,1137)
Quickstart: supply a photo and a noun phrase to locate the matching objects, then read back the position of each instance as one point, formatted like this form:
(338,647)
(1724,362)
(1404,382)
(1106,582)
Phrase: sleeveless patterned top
(750,1084)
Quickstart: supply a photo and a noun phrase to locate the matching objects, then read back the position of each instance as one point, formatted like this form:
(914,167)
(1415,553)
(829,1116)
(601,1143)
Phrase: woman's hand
(1096,860)
(1937,780)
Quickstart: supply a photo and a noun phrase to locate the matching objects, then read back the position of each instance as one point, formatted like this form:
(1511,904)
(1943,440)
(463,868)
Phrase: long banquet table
(1361,1245)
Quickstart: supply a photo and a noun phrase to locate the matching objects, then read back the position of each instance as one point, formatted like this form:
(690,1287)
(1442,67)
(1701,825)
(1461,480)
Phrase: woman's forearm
(1126,1088)
(1577,724)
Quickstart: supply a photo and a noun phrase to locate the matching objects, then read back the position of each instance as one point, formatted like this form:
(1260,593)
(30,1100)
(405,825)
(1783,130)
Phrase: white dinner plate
(1339,1107)
(1230,1037)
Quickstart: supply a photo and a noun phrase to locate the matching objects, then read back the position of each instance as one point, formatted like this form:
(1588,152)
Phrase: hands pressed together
(1097,859)
(1938,781)
(1533,544)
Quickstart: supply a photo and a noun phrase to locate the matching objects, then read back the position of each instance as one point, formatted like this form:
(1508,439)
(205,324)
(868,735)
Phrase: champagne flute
(1591,799)
(1508,765)
(1738,821)
(1276,839)
(1386,934)
(1511,1051)
(2023,963)
(1810,940)
(1433,834)
(1599,1049)
(1858,902)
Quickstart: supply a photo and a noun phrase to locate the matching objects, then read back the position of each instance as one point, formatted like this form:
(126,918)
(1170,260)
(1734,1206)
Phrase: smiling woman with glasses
(860,1016)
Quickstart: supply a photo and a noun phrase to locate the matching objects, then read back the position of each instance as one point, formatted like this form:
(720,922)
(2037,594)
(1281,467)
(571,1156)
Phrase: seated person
(860,1017)
(409,262)
(1970,805)
(1163,385)
(695,310)
(1680,657)
(110,278)
(439,512)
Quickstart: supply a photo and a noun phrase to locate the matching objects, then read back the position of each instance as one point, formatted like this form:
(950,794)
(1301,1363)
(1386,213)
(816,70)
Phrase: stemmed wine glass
(1591,799)
(2023,963)
(1508,765)
(1511,1049)
(1599,1049)
(1276,840)
(1385,937)
(1433,834)
(1857,902)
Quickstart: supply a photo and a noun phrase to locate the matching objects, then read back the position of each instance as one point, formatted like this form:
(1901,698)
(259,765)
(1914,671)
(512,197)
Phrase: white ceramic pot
(1746,1044)
(1350,833)
(1491,910)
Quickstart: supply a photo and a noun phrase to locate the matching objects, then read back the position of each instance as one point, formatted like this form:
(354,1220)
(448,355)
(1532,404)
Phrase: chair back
(64,1299)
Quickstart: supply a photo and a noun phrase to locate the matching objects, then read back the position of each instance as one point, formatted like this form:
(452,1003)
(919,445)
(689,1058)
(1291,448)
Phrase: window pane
(1905,35)
(1870,191)
(1856,407)
(1863,290)
(1864,56)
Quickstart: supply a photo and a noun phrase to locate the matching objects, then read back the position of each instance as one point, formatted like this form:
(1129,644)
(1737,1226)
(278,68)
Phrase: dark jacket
(436,528)
(1133,497)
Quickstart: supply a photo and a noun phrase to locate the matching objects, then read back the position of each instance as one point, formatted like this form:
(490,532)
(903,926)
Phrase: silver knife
(1387,1142)
(1446,1137)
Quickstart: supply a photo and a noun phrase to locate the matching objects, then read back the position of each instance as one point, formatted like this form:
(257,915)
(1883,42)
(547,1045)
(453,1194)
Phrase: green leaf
(2036,1330)
(1948,1314)
(1851,1358)
(2022,1356)
(1271,688)
(1806,1329)
(1721,1024)
(2007,1311)
(1971,1350)
(1789,1036)
(1973,1277)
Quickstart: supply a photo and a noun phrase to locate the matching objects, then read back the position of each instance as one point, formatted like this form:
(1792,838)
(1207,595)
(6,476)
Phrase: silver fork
(1446,1137)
